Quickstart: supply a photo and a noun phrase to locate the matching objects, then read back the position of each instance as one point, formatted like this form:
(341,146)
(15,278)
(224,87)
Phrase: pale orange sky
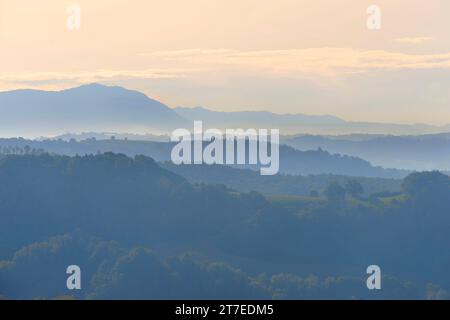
(312,56)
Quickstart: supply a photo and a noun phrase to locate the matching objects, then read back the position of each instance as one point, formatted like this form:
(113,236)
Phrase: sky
(285,56)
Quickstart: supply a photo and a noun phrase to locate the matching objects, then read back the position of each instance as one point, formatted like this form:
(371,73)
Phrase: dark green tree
(335,193)
(354,188)
(314,194)
(427,189)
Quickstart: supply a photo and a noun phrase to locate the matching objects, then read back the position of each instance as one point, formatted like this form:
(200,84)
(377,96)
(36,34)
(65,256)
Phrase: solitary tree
(335,193)
(314,194)
(354,188)
(427,189)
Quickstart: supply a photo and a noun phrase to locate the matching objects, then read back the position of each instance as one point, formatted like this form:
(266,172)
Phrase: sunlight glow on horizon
(289,56)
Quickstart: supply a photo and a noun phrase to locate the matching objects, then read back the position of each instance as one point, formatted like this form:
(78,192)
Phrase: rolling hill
(422,152)
(292,161)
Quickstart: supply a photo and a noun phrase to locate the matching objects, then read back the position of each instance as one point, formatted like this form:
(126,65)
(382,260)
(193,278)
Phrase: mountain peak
(95,87)
(90,107)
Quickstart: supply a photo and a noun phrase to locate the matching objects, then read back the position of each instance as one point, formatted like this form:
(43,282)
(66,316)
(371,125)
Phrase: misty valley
(139,230)
(224,159)
(100,215)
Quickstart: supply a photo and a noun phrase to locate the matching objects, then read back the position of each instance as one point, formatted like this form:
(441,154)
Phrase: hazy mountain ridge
(100,108)
(424,152)
(301,123)
(410,152)
(108,135)
(292,161)
(91,107)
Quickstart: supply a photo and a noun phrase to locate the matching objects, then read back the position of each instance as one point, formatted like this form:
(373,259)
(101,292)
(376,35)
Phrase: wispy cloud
(413,40)
(303,61)
(217,63)
(39,78)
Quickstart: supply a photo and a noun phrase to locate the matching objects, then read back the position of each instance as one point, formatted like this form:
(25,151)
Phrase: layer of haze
(294,56)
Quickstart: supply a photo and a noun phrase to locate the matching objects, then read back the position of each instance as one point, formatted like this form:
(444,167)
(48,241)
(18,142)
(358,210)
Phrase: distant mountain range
(91,107)
(301,123)
(416,153)
(99,108)
(423,152)
(109,135)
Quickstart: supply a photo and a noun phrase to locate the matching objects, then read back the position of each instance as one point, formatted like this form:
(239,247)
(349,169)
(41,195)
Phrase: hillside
(245,180)
(292,161)
(139,231)
(421,152)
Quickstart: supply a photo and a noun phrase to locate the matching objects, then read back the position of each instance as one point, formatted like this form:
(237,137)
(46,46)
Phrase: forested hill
(140,231)
(246,180)
(291,161)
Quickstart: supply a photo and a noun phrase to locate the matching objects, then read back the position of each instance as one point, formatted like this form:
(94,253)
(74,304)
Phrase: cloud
(59,77)
(209,64)
(310,61)
(413,40)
